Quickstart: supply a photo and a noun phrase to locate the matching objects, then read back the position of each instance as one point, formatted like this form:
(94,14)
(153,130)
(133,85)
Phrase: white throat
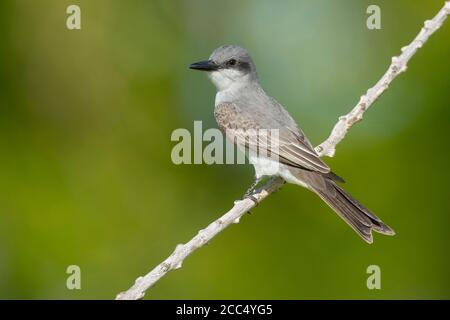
(229,83)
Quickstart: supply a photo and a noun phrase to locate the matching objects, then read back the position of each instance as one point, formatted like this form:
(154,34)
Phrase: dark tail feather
(333,176)
(354,213)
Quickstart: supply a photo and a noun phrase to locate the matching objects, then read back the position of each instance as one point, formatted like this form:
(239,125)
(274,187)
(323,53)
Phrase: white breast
(264,166)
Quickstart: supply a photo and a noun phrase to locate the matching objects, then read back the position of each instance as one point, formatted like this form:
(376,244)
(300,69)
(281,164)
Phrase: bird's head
(228,66)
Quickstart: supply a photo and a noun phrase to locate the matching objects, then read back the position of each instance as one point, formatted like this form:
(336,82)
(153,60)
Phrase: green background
(86,176)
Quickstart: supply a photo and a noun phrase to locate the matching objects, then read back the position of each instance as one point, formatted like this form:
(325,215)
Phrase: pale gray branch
(182,251)
(327,148)
(398,65)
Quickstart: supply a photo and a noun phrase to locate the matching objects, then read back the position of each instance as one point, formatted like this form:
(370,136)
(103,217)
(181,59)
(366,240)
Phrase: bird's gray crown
(233,57)
(229,67)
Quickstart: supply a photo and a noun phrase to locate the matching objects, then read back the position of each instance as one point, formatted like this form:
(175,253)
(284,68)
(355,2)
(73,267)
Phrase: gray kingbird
(242,105)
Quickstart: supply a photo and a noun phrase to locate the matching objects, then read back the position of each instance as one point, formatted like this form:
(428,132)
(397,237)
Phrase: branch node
(178,248)
(165,267)
(419,44)
(429,24)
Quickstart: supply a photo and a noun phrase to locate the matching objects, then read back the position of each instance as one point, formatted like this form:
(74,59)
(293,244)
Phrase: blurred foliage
(85,170)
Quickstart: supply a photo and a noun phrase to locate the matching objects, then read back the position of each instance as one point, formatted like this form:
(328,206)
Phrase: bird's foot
(250,191)
(252,188)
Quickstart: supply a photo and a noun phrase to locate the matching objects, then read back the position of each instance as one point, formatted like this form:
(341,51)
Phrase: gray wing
(254,132)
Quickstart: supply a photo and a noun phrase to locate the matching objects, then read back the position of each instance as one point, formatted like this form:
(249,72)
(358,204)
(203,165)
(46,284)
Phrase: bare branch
(398,65)
(182,251)
(327,148)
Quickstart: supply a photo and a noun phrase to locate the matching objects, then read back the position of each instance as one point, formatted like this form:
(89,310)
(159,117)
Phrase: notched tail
(354,213)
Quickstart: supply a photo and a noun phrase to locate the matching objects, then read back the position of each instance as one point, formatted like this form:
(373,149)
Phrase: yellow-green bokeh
(86,176)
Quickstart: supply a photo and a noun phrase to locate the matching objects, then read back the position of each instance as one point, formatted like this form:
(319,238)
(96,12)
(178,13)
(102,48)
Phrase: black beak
(207,65)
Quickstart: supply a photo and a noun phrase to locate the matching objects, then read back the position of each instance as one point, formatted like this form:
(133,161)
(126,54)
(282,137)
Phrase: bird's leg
(251,190)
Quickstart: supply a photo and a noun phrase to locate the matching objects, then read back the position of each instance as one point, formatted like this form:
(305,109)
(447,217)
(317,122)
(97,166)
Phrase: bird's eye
(231,62)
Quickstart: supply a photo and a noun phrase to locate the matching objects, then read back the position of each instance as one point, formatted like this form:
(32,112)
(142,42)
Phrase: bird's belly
(269,167)
(264,166)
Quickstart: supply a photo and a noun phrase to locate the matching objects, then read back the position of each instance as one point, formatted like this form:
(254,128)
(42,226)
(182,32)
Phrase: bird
(242,107)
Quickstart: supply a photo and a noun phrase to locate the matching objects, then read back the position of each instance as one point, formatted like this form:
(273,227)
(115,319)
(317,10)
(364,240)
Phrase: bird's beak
(207,65)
